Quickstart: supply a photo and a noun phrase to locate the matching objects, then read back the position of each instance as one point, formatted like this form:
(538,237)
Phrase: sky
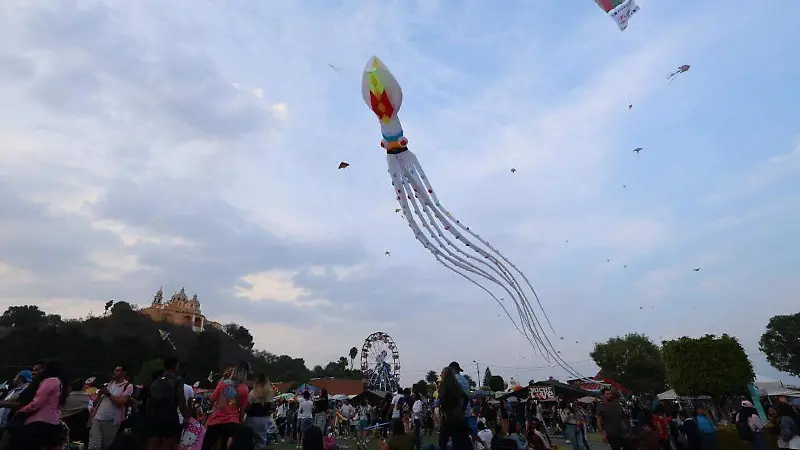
(195,144)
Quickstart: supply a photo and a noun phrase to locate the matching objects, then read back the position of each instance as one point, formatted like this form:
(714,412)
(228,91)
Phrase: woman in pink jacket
(42,429)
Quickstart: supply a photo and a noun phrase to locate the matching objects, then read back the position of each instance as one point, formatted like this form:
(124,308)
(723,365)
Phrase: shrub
(728,439)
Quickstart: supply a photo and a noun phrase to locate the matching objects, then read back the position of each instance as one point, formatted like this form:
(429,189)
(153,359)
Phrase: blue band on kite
(394,138)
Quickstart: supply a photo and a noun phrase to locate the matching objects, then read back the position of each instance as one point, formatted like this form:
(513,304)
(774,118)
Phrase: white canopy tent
(767,387)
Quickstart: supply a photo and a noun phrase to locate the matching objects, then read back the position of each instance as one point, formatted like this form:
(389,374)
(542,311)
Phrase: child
(649,438)
(192,436)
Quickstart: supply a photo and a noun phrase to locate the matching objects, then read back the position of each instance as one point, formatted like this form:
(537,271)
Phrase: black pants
(280,422)
(617,443)
(219,433)
(417,434)
(458,432)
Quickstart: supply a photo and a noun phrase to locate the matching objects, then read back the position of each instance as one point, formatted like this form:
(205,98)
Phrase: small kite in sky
(637,150)
(697,269)
(165,337)
(343,165)
(334,67)
(680,70)
(630,105)
(619,10)
(513,170)
(388,253)
(451,243)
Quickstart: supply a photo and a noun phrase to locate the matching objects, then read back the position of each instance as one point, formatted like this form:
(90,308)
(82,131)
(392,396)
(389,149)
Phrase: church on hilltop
(179,310)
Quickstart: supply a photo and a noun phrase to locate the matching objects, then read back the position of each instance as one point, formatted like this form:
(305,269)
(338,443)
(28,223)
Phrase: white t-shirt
(347,411)
(486,435)
(305,410)
(188,392)
(107,410)
(395,409)
(417,410)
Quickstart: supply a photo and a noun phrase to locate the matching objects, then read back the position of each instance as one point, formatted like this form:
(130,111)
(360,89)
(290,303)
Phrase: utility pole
(478,381)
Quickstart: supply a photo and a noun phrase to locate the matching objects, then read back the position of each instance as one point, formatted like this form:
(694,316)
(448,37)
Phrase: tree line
(710,365)
(95,345)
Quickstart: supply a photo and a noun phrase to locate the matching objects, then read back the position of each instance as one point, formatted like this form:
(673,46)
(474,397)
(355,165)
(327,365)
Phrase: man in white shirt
(347,411)
(416,415)
(305,416)
(110,410)
(397,404)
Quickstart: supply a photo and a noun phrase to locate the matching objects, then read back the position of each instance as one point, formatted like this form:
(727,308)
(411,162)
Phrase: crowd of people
(42,411)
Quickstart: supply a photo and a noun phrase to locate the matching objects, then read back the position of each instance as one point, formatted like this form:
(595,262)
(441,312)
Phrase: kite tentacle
(517,296)
(529,316)
(442,259)
(447,252)
(429,189)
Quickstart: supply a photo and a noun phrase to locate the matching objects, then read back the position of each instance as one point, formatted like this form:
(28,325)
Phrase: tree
(239,334)
(497,383)
(28,316)
(710,365)
(431,377)
(470,381)
(353,354)
(632,361)
(781,343)
(149,368)
(487,375)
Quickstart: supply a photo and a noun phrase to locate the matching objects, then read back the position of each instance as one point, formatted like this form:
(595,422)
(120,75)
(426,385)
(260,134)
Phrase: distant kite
(343,165)
(680,70)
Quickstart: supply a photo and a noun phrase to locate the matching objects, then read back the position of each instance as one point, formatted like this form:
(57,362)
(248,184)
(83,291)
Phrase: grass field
(350,444)
(373,444)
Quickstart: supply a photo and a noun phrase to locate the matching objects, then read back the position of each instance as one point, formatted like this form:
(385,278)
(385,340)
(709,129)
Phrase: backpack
(163,392)
(743,427)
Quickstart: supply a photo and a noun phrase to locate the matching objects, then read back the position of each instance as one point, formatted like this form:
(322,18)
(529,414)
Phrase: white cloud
(277,286)
(280,111)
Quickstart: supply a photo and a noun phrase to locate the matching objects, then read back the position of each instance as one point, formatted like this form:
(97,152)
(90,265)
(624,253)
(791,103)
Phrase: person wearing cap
(21,381)
(10,402)
(472,422)
(751,427)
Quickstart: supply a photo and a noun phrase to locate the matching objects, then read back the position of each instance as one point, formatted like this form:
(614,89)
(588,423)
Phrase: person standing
(230,399)
(454,424)
(259,409)
(348,413)
(611,421)
(42,429)
(110,409)
(417,417)
(321,406)
(165,396)
(707,428)
(305,417)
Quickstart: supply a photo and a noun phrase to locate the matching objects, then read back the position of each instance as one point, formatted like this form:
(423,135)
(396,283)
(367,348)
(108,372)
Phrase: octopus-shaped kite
(680,70)
(452,243)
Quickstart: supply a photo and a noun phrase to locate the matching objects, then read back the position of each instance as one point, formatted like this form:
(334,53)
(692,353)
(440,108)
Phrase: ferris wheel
(380,362)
